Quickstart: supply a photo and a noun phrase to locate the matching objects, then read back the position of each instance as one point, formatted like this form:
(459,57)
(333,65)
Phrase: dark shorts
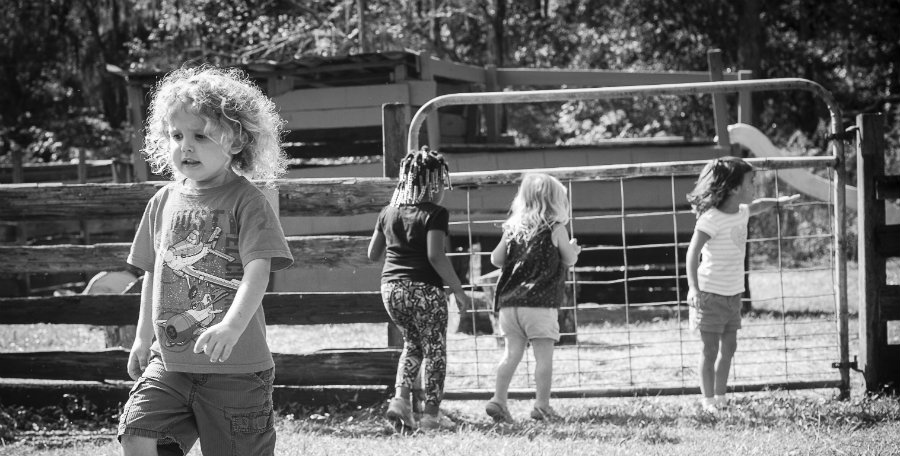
(716,313)
(231,414)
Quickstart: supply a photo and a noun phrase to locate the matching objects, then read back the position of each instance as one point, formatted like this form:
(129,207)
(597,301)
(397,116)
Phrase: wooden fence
(362,375)
(879,308)
(44,202)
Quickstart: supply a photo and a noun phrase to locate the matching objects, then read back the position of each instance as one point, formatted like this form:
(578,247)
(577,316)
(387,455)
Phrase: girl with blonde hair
(534,254)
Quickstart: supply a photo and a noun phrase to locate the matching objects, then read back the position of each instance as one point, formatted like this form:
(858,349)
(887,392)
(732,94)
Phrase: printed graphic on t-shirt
(196,269)
(181,328)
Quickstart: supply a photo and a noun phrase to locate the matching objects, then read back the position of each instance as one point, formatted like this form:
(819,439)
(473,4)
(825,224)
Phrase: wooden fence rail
(364,374)
(332,197)
(280,308)
(374,366)
(311,252)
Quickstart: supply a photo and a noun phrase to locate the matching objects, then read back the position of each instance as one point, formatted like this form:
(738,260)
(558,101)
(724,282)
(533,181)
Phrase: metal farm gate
(616,343)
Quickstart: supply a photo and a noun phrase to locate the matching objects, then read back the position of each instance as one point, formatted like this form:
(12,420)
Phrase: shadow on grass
(623,421)
(656,421)
(640,419)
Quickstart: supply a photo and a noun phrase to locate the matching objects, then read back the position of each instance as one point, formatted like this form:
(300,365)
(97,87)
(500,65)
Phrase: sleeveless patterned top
(533,274)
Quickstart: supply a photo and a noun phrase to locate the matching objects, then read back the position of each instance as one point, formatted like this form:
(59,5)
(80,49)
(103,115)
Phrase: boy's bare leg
(727,347)
(543,371)
(708,357)
(515,348)
(133,445)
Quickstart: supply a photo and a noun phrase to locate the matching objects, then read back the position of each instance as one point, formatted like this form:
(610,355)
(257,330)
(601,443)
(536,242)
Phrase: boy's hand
(138,358)
(217,341)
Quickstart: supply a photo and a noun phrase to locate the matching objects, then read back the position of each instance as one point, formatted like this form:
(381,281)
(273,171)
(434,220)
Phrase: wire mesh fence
(625,327)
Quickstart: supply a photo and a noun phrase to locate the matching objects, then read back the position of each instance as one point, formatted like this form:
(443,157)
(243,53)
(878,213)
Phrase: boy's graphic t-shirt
(197,242)
(721,269)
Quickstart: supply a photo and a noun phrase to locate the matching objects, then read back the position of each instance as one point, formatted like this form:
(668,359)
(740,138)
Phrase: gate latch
(849,364)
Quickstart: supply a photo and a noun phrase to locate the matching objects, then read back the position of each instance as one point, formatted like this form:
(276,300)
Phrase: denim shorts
(231,414)
(715,313)
(529,323)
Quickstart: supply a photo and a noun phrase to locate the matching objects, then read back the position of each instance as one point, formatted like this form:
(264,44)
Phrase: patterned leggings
(420,312)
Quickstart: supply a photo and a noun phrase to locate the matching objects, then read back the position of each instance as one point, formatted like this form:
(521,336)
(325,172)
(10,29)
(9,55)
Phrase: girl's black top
(533,274)
(405,231)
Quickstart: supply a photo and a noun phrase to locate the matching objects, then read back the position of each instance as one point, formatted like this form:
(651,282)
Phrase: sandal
(498,412)
(400,414)
(544,414)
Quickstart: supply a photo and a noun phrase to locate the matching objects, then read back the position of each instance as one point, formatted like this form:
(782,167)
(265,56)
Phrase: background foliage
(59,97)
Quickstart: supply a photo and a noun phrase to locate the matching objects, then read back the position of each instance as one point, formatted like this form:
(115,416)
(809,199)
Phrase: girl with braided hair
(412,231)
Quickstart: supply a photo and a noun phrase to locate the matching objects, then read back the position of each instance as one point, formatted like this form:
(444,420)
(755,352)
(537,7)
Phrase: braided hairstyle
(423,173)
(719,177)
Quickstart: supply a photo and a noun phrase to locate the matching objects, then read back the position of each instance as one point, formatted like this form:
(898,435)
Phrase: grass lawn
(765,423)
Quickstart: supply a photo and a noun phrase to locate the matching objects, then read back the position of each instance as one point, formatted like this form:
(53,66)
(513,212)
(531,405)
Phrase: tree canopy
(59,97)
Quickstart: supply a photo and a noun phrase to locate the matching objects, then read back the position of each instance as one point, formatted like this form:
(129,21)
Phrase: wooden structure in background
(333,106)
(470,138)
(86,171)
(879,303)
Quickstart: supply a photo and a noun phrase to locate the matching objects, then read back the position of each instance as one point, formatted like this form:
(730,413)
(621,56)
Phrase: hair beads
(423,173)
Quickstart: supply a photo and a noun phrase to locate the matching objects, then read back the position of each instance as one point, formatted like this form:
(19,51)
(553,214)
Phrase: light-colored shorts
(231,414)
(529,323)
(715,313)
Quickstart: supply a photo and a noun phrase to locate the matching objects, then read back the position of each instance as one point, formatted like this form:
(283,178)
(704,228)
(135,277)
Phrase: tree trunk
(498,56)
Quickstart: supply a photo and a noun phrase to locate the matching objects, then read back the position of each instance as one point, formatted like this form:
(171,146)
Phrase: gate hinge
(847,135)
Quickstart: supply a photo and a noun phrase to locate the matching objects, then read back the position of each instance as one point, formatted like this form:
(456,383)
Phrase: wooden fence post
(136,119)
(433,121)
(745,99)
(18,172)
(492,111)
(720,112)
(745,115)
(394,124)
(720,104)
(879,304)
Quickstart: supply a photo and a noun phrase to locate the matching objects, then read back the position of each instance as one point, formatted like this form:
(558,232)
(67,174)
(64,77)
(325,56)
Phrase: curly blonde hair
(542,201)
(237,114)
(717,179)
